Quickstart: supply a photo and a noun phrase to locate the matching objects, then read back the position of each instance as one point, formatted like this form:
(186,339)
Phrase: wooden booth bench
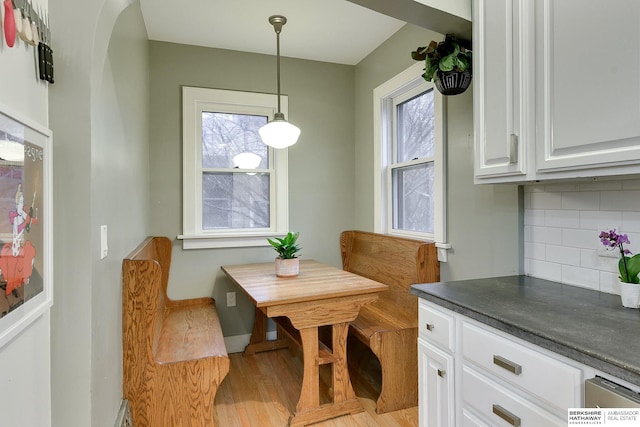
(389,326)
(174,357)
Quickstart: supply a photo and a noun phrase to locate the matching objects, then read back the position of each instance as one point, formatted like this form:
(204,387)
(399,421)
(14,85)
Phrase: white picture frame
(26,209)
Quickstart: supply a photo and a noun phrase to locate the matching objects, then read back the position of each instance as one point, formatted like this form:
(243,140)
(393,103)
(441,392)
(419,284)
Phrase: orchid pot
(630,294)
(628,267)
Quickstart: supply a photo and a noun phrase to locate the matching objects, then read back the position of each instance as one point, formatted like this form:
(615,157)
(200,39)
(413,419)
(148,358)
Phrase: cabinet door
(503,92)
(436,386)
(588,85)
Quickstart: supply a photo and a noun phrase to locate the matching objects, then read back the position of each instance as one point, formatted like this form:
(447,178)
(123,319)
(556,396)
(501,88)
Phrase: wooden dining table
(319,296)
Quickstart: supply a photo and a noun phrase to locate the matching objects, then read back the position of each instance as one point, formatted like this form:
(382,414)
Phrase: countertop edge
(592,360)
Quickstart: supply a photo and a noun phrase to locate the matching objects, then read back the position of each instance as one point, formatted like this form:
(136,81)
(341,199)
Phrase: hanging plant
(447,63)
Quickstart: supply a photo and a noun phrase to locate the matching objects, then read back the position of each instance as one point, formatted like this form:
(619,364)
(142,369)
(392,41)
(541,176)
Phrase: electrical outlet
(606,253)
(231,299)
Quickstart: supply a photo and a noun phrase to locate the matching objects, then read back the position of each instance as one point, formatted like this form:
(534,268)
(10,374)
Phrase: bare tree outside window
(234,198)
(413,184)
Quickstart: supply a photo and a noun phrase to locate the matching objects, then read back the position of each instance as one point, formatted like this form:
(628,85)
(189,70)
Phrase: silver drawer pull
(507,364)
(512,419)
(430,326)
(441,373)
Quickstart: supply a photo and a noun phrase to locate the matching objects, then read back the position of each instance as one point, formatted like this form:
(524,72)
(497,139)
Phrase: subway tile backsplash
(561,227)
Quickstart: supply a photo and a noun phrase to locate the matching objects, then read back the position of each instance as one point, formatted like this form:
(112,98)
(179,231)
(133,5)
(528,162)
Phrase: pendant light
(279,133)
(246,160)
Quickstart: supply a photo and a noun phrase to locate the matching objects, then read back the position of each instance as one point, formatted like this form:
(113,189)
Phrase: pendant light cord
(278,65)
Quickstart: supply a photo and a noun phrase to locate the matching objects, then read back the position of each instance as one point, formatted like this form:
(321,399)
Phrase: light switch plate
(104,246)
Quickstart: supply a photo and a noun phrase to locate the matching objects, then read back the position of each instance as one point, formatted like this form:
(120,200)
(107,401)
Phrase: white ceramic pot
(287,267)
(630,294)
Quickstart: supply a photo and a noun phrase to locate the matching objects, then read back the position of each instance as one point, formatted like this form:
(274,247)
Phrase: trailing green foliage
(448,55)
(286,247)
(630,273)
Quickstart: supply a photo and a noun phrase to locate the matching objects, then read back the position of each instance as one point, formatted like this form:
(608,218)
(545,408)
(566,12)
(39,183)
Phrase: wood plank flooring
(262,391)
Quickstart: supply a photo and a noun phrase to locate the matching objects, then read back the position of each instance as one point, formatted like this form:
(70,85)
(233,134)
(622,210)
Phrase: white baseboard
(237,343)
(124,415)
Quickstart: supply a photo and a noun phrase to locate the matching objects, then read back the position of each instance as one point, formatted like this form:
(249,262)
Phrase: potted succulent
(629,267)
(287,263)
(447,63)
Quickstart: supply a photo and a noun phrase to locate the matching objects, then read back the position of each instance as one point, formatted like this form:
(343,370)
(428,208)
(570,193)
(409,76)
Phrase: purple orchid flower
(612,239)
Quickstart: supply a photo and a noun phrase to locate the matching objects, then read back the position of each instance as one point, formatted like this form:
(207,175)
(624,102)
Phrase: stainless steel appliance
(602,393)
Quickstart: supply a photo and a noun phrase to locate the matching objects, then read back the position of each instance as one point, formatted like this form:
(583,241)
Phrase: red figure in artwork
(17,257)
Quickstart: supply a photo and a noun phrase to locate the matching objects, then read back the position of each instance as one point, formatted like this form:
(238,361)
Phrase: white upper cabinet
(588,84)
(556,89)
(503,74)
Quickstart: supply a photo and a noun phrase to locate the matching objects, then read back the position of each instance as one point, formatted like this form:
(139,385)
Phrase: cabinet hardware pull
(512,419)
(507,364)
(441,373)
(513,149)
(430,327)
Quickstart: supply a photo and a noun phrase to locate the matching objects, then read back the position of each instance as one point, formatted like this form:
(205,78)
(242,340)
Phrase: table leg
(258,341)
(342,388)
(309,410)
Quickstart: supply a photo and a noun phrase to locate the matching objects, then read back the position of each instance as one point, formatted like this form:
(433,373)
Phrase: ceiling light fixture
(279,133)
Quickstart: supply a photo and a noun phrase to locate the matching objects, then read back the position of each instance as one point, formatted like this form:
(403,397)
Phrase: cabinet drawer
(471,420)
(501,407)
(541,375)
(436,326)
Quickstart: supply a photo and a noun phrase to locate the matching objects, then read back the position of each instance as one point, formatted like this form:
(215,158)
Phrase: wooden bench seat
(389,326)
(174,356)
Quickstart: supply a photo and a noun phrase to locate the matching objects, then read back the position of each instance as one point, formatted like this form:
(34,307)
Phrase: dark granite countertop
(587,326)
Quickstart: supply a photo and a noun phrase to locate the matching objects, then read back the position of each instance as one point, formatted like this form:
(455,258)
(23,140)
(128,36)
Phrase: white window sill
(207,241)
(441,247)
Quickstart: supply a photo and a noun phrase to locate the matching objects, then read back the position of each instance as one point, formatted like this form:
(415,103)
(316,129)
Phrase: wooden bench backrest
(395,261)
(145,273)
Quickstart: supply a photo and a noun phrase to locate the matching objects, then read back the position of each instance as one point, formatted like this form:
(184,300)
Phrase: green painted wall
(321,201)
(482,220)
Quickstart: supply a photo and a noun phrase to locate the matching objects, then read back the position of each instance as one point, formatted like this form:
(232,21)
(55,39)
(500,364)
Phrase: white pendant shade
(279,134)
(246,161)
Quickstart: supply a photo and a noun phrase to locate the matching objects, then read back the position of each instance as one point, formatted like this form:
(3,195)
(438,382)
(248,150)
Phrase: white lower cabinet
(436,373)
(479,376)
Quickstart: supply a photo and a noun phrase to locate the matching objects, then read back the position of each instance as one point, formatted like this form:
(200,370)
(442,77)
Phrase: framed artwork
(26,289)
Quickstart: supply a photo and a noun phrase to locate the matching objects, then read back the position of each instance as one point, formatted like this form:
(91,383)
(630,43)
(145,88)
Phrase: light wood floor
(262,391)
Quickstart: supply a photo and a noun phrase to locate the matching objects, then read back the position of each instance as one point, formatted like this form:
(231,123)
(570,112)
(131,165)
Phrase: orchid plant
(629,267)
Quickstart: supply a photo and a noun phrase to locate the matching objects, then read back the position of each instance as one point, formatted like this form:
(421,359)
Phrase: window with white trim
(234,186)
(410,159)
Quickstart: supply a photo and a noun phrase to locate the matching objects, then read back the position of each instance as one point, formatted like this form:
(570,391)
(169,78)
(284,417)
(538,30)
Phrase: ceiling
(337,31)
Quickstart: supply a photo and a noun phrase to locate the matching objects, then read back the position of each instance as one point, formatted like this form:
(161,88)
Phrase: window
(410,159)
(234,186)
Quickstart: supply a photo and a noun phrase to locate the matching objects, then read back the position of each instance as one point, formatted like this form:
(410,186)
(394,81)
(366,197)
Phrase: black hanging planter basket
(451,55)
(452,82)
